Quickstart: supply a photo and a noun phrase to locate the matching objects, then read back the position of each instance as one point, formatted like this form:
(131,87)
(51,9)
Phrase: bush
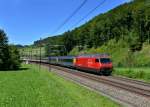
(14,58)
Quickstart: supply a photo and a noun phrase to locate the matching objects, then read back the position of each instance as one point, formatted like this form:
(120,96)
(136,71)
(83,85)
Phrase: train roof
(61,57)
(103,55)
(95,55)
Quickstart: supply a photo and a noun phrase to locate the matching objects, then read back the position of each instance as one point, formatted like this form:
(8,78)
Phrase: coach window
(96,60)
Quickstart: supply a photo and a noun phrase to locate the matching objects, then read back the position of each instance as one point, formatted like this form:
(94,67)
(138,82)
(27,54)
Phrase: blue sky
(25,21)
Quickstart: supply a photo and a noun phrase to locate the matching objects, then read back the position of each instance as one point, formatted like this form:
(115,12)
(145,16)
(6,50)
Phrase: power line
(90,12)
(74,12)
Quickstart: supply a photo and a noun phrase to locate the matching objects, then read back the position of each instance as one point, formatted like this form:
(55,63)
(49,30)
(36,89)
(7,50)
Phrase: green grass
(33,88)
(135,73)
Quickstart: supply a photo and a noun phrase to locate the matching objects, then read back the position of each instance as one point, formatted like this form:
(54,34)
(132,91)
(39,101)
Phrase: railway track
(134,86)
(125,91)
(130,80)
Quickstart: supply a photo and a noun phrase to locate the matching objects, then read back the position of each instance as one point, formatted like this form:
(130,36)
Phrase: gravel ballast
(121,96)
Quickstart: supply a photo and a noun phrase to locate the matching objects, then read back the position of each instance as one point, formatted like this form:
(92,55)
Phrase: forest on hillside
(130,22)
(127,24)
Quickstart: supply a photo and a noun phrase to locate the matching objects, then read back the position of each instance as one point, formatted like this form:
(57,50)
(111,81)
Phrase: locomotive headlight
(74,60)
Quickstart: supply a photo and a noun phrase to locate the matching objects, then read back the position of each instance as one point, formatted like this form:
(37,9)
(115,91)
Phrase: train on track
(97,63)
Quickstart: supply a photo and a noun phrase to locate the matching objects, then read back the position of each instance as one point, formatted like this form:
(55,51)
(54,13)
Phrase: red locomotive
(99,63)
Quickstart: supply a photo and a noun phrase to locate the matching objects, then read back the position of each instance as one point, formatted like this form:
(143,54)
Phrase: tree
(69,41)
(3,47)
(9,55)
(14,60)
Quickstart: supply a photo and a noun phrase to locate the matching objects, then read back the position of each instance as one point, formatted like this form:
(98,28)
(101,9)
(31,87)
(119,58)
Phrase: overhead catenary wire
(90,12)
(68,18)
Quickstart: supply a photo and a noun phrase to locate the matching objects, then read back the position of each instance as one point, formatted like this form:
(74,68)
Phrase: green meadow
(29,87)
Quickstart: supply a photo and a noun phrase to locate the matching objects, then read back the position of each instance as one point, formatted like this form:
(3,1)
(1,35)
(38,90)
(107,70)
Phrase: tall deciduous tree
(9,55)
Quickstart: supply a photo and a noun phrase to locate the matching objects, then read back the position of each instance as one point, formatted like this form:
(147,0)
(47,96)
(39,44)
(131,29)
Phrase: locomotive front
(106,65)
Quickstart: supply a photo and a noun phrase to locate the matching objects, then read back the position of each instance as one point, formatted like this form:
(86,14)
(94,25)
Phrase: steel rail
(124,86)
(131,80)
(130,88)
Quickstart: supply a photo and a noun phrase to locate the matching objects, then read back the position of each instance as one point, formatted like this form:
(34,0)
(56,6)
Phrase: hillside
(123,32)
(120,53)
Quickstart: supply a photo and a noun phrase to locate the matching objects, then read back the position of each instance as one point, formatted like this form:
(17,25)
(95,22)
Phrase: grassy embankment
(32,88)
(130,64)
(135,73)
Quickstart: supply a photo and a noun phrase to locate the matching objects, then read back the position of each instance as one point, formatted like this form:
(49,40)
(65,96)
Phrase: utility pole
(31,53)
(49,57)
(65,50)
(148,37)
(40,55)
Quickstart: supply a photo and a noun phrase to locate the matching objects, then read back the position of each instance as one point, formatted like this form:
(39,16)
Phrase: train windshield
(105,60)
